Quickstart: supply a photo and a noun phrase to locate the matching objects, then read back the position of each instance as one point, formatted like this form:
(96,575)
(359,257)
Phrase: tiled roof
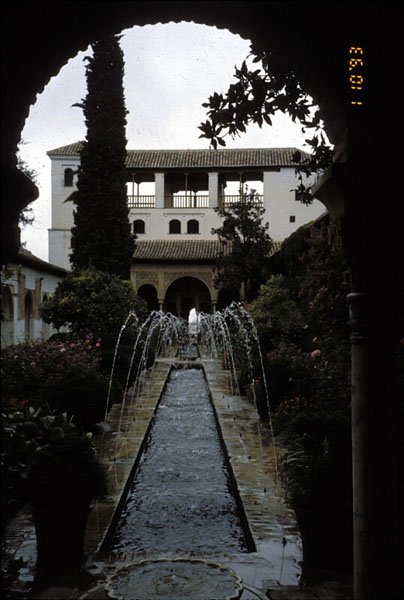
(177,250)
(182,250)
(198,159)
(25,257)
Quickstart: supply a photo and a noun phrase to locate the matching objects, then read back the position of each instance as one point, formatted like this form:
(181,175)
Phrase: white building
(32,281)
(172,195)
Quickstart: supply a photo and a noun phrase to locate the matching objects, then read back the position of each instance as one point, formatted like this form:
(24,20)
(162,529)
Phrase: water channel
(181,497)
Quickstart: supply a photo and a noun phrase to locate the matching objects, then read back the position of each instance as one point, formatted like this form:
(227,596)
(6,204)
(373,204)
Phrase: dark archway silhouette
(149,294)
(186,293)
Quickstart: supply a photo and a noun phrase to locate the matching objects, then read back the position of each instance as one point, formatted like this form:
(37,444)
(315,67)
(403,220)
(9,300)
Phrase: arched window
(228,226)
(138,226)
(68,178)
(175,226)
(193,226)
(29,316)
(46,327)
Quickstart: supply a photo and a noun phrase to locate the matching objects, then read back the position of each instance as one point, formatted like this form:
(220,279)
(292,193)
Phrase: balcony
(229,201)
(141,201)
(188,201)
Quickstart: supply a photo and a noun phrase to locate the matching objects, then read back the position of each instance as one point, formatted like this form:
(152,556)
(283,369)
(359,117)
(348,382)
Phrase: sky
(170,70)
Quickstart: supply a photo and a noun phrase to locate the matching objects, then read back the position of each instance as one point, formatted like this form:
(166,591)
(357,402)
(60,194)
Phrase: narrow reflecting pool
(181,498)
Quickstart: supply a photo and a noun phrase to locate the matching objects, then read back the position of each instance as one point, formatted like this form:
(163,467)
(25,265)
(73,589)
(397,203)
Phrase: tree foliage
(101,235)
(92,301)
(255,97)
(275,313)
(246,245)
(26,214)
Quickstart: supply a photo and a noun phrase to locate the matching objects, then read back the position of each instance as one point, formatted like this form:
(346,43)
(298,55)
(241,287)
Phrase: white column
(159,190)
(213,189)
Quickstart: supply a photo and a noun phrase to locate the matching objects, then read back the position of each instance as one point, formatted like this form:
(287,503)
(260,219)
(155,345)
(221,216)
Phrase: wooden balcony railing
(228,201)
(141,201)
(187,201)
(190,201)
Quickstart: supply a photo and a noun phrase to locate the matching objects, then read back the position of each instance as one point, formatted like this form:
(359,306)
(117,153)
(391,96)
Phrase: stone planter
(327,536)
(60,533)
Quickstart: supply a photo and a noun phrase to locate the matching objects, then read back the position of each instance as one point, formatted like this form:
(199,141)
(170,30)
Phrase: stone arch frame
(316,62)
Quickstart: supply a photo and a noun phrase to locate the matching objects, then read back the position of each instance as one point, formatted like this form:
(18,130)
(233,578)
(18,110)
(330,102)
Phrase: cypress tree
(101,235)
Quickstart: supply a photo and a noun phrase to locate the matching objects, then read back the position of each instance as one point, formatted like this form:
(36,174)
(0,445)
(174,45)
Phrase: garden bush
(24,429)
(81,394)
(289,373)
(276,315)
(91,300)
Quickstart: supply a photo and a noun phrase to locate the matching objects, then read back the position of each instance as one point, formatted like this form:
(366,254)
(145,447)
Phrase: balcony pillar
(160,189)
(213,189)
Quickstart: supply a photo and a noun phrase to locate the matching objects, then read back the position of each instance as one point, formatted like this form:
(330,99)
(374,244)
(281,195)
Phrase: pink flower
(32,364)
(97,345)
(315,353)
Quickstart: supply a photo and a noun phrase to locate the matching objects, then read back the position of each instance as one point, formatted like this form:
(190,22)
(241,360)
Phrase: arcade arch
(149,294)
(29,316)
(186,293)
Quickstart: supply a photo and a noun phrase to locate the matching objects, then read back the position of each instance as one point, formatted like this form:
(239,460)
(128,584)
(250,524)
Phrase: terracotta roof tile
(177,250)
(197,159)
(181,250)
(25,257)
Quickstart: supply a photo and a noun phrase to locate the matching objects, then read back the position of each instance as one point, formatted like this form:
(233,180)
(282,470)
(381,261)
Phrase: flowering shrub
(26,368)
(314,428)
(309,375)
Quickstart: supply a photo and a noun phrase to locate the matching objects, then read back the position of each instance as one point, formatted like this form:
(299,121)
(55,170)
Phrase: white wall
(279,202)
(14,332)
(62,212)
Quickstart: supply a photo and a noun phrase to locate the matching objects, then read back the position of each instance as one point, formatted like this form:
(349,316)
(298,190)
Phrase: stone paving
(271,571)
